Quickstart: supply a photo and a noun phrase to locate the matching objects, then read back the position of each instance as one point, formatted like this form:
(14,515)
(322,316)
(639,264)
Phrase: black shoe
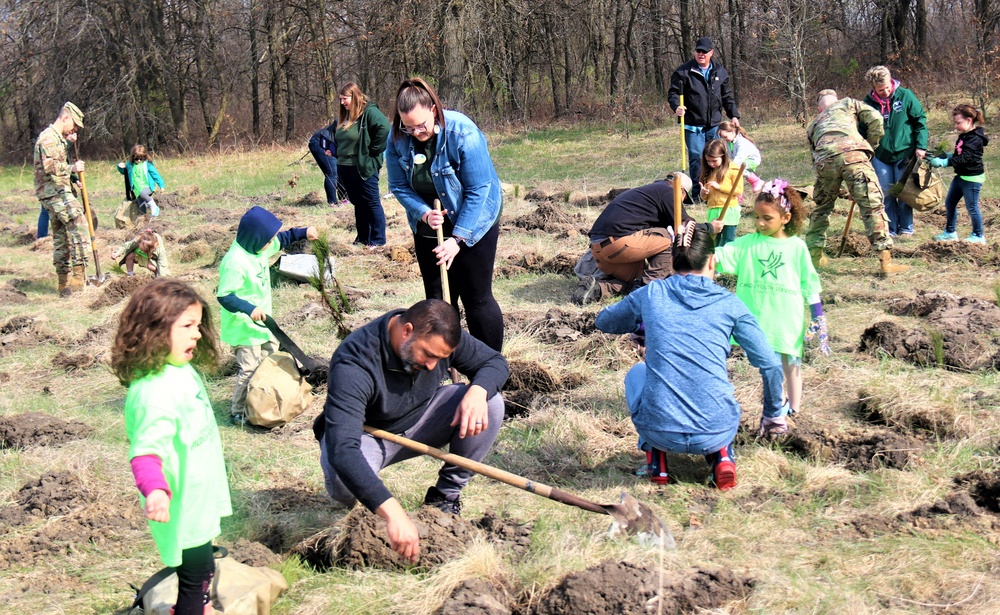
(238,420)
(587,291)
(437,499)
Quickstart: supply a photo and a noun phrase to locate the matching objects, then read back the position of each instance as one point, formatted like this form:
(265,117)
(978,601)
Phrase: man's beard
(406,355)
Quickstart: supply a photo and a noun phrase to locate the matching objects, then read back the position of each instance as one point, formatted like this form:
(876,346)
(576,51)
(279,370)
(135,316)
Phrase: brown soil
(911,345)
(9,295)
(984,487)
(210,235)
(42,245)
(531,376)
(229,213)
(857,449)
(507,271)
(35,429)
(194,251)
(621,587)
(556,326)
(476,597)
(311,199)
(52,494)
(533,262)
(511,536)
(24,235)
(314,310)
(253,553)
(549,217)
(289,499)
(399,254)
(950,311)
(870,410)
(857,245)
(957,511)
(957,251)
(169,200)
(118,290)
(24,332)
(73,362)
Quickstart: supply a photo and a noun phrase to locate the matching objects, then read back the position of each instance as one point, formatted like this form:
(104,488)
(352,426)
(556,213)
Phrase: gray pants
(433,429)
(247,360)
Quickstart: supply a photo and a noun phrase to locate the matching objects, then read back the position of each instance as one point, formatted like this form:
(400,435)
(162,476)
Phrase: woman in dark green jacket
(905,136)
(349,151)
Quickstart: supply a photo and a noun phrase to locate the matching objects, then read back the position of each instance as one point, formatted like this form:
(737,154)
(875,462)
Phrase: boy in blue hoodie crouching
(245,294)
(680,398)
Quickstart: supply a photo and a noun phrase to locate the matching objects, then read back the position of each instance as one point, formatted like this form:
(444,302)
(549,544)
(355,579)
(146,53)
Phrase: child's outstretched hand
(158,506)
(312,234)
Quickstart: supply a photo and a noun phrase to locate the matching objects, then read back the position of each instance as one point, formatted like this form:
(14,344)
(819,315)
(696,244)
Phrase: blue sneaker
(975,239)
(946,236)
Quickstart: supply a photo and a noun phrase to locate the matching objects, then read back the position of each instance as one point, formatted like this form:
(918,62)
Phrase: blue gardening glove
(817,333)
(938,163)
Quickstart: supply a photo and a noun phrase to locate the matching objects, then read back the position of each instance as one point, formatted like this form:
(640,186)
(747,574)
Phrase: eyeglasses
(419,129)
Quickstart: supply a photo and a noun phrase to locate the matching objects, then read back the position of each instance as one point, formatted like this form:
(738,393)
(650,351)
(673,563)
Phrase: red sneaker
(724,474)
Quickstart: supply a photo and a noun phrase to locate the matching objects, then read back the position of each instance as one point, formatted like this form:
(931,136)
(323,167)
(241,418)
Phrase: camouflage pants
(68,231)
(862,183)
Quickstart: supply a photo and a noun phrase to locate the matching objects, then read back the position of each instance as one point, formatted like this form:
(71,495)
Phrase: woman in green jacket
(354,144)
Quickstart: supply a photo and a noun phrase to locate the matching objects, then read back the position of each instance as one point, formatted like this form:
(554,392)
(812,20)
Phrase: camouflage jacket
(52,169)
(835,131)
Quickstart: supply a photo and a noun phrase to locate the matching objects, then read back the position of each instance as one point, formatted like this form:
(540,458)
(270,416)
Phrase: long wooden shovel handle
(677,205)
(847,229)
(87,214)
(489,471)
(684,155)
(732,191)
(445,287)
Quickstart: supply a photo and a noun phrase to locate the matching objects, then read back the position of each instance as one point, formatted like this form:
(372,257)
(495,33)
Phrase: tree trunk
(254,71)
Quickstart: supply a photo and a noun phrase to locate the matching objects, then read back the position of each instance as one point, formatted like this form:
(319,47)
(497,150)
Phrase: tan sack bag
(277,392)
(126,214)
(237,589)
(923,190)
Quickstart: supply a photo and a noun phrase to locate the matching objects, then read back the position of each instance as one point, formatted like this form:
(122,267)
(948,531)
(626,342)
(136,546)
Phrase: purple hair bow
(776,188)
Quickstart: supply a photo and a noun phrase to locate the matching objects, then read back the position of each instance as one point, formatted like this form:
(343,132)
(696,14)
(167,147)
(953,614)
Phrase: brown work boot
(79,276)
(885,265)
(64,289)
(819,259)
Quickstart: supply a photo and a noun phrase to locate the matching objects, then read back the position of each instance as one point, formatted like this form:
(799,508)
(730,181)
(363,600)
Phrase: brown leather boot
(819,259)
(79,276)
(885,265)
(64,289)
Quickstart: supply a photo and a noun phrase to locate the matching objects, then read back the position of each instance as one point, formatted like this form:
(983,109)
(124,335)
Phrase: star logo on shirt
(770,265)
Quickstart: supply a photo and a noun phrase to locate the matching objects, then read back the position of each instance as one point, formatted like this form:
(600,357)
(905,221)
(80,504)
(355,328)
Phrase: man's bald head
(826,98)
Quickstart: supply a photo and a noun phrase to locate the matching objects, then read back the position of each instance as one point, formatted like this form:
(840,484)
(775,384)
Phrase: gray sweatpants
(433,429)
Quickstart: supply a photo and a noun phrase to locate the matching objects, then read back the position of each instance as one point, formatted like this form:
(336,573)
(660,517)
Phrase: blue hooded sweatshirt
(689,320)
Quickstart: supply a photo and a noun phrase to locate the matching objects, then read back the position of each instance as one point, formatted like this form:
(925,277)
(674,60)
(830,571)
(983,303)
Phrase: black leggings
(470,279)
(194,579)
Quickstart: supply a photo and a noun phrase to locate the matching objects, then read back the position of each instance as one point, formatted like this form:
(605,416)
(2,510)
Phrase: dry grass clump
(915,404)
(481,560)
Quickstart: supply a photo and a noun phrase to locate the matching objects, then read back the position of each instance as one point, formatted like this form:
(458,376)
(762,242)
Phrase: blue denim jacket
(463,176)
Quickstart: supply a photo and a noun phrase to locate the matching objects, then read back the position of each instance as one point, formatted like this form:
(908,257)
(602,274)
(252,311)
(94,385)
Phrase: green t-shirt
(422,182)
(774,279)
(248,276)
(168,414)
(140,178)
(347,144)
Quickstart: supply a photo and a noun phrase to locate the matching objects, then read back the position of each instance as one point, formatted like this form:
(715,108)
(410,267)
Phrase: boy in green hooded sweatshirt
(245,294)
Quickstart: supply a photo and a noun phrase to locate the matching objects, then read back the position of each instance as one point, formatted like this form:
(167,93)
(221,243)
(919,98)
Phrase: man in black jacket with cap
(707,92)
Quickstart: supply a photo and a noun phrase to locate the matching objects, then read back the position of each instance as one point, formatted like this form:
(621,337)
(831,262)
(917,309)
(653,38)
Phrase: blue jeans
(728,235)
(43,223)
(369,218)
(900,214)
(328,165)
(970,191)
(674,442)
(695,142)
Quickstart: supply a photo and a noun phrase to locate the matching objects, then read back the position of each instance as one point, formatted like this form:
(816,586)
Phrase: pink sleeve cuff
(148,473)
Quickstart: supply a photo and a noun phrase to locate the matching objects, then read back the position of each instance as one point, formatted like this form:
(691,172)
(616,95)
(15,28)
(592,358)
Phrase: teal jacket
(373,130)
(905,125)
(153,178)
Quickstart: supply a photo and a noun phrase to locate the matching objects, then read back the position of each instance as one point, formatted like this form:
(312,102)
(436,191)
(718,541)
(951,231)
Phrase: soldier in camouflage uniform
(842,155)
(53,187)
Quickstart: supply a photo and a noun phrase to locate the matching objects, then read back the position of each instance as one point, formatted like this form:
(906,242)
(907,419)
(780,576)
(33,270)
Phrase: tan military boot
(885,265)
(79,275)
(64,289)
(818,258)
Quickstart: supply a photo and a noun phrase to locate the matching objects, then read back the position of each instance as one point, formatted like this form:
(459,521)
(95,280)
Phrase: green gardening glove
(938,163)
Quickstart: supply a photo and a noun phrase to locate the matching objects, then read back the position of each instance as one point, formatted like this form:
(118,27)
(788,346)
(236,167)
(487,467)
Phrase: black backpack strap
(150,583)
(306,363)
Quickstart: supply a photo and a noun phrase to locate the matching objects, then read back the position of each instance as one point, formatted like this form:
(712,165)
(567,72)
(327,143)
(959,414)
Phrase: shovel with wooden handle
(684,155)
(445,289)
(99,278)
(847,228)
(630,515)
(732,192)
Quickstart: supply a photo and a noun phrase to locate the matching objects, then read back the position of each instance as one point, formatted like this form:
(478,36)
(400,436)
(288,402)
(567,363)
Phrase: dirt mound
(10,295)
(621,587)
(857,449)
(510,535)
(118,290)
(556,326)
(223,215)
(194,251)
(961,251)
(562,263)
(253,553)
(52,494)
(35,429)
(857,245)
(311,199)
(23,331)
(958,334)
(362,541)
(531,376)
(100,524)
(476,597)
(399,254)
(73,362)
(984,487)
(169,200)
(548,217)
(210,235)
(24,235)
(957,511)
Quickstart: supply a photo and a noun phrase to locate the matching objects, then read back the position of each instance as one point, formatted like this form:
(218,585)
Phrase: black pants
(369,218)
(194,580)
(470,279)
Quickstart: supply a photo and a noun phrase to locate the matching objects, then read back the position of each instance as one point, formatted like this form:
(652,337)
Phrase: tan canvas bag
(923,189)
(277,392)
(237,589)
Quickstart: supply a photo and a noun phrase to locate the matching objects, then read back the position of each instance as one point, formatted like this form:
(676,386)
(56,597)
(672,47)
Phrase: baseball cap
(74,112)
(704,44)
(685,184)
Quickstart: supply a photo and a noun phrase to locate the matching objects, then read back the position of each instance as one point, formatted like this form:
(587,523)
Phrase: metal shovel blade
(94,280)
(634,518)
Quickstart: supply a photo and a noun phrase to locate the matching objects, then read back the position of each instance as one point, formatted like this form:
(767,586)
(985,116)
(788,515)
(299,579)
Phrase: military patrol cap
(704,44)
(74,112)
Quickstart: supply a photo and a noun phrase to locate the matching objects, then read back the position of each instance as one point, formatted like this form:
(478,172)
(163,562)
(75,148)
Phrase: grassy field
(821,523)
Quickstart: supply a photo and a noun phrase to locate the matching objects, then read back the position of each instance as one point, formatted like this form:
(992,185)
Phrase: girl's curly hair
(795,207)
(142,342)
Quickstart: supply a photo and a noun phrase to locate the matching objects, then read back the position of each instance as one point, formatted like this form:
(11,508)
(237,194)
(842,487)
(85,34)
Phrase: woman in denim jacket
(437,154)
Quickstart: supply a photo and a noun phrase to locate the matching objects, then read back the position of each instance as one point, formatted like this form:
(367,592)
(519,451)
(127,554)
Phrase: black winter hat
(704,44)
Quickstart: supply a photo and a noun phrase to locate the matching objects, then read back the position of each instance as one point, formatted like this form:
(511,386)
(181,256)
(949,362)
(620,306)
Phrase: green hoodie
(905,126)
